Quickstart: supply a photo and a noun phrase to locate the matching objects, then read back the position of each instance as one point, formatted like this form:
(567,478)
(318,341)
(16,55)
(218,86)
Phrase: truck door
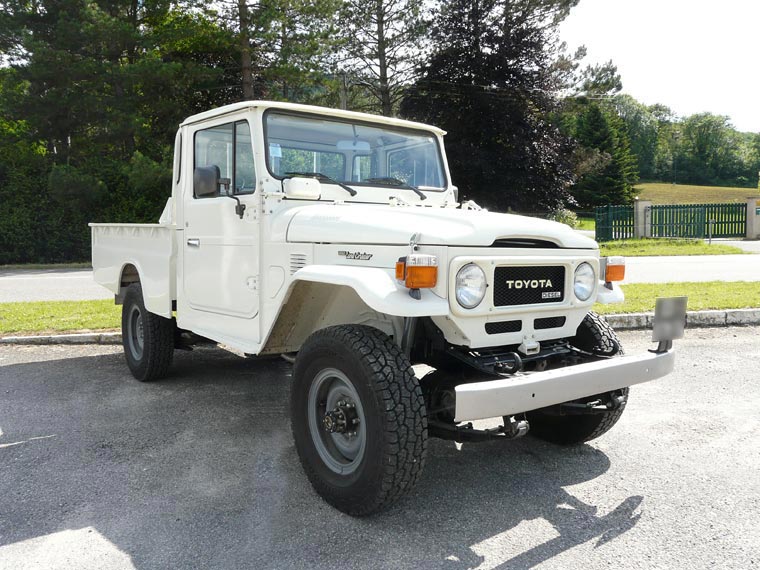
(219,249)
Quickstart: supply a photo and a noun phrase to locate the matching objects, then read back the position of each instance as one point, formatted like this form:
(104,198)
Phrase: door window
(229,148)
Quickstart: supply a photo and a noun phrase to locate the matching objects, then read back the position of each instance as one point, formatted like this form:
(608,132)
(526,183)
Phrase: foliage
(611,179)
(92,91)
(383,42)
(489,83)
(641,297)
(565,216)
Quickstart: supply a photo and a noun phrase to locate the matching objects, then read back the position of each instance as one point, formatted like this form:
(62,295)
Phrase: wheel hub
(336,421)
(341,419)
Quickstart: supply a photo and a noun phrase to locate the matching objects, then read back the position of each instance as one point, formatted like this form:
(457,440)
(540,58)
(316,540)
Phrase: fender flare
(611,296)
(155,297)
(377,288)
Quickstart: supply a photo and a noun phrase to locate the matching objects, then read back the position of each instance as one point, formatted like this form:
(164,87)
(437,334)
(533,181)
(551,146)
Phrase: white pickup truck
(336,239)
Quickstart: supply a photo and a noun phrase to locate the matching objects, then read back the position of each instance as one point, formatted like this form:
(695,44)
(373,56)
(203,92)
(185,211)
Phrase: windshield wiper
(322,178)
(389,181)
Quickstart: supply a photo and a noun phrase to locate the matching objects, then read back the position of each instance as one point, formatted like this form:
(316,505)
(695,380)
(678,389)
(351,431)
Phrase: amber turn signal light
(615,269)
(418,271)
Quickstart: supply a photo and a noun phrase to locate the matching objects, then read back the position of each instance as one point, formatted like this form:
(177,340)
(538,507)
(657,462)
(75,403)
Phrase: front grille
(528,285)
(549,323)
(504,327)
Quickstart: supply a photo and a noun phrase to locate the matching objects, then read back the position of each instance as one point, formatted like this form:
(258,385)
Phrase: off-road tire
(395,418)
(157,351)
(593,335)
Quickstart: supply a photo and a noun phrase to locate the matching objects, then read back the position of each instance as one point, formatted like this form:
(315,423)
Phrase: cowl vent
(525,243)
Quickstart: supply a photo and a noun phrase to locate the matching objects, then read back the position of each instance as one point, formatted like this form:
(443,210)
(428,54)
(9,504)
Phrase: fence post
(753,219)
(642,218)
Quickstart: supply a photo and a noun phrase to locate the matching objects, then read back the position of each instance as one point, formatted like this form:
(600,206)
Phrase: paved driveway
(199,471)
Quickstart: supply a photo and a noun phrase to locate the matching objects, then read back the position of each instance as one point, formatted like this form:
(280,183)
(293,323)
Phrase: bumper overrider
(531,391)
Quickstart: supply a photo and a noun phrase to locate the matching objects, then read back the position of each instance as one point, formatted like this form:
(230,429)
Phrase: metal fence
(699,220)
(673,221)
(614,222)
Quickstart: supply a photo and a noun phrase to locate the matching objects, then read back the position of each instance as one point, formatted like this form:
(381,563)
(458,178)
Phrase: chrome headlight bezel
(584,281)
(468,294)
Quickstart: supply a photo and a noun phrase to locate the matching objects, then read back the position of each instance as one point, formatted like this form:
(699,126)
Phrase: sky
(691,55)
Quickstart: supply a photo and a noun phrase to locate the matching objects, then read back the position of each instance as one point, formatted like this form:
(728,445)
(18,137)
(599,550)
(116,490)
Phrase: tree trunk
(385,89)
(245,51)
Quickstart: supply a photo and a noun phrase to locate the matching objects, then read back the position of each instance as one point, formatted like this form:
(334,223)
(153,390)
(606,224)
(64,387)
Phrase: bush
(565,216)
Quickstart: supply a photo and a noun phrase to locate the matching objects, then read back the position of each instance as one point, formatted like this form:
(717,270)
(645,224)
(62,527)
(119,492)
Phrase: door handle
(194,242)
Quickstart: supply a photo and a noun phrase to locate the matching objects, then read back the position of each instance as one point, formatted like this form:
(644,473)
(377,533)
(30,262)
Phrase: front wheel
(358,418)
(148,339)
(596,336)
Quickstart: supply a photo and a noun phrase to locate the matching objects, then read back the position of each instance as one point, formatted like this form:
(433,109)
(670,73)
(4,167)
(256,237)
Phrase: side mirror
(299,188)
(206,181)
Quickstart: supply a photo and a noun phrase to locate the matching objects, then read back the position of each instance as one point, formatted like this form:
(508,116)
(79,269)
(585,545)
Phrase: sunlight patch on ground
(498,549)
(82,549)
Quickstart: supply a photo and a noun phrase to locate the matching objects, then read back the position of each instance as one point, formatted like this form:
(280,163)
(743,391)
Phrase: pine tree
(490,84)
(616,171)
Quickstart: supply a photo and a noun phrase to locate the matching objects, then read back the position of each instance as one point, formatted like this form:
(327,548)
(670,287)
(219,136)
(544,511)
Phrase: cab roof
(312,109)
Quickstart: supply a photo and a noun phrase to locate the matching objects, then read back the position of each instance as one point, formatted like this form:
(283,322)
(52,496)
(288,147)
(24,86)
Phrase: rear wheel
(596,336)
(358,418)
(148,339)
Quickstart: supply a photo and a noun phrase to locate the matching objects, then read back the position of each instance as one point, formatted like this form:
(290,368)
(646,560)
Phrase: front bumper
(525,392)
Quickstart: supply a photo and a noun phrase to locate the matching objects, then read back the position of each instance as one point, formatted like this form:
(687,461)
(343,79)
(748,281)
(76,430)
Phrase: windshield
(353,153)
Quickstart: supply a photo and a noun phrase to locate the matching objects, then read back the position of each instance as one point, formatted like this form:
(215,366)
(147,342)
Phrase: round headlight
(470,286)
(583,283)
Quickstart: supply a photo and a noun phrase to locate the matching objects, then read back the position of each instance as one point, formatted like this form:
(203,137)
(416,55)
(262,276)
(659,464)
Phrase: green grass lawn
(82,265)
(640,297)
(58,316)
(665,246)
(664,193)
(586,223)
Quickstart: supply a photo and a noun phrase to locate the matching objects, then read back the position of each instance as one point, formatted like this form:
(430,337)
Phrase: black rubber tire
(395,418)
(593,335)
(157,352)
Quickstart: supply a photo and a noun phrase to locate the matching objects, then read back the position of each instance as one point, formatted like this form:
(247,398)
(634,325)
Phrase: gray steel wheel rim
(135,332)
(340,453)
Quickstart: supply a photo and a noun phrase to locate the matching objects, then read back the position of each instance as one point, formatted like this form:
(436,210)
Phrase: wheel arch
(324,295)
(310,306)
(154,294)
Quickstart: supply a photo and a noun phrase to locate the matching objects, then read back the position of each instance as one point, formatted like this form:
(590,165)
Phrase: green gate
(699,220)
(614,222)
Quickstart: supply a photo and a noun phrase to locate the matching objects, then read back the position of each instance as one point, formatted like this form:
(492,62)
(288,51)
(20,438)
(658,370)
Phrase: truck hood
(394,225)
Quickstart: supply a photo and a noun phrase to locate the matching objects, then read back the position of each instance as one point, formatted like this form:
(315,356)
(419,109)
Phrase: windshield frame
(369,123)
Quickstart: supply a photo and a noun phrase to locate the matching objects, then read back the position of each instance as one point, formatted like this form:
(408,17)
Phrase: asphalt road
(49,285)
(199,471)
(77,284)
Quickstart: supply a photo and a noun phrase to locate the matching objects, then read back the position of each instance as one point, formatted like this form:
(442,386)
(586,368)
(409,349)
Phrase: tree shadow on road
(199,470)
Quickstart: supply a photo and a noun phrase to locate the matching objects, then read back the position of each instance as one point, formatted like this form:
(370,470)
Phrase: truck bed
(149,248)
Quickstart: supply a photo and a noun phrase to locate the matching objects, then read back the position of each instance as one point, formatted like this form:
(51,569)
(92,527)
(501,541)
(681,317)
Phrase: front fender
(611,296)
(379,290)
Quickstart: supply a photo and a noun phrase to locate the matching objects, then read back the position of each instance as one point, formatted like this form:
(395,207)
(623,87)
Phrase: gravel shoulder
(199,471)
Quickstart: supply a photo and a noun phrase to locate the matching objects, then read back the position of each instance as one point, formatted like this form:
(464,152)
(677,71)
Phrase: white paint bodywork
(237,280)
(150,248)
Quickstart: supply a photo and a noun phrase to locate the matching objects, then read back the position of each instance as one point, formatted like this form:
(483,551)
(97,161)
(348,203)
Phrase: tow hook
(615,401)
(515,428)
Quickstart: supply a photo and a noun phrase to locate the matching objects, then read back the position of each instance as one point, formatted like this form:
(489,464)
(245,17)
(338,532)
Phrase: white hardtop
(313,109)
